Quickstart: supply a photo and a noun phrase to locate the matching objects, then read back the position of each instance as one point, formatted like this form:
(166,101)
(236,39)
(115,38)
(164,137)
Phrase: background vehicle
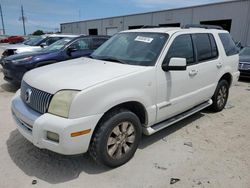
(244,65)
(33,45)
(15,66)
(139,81)
(12,39)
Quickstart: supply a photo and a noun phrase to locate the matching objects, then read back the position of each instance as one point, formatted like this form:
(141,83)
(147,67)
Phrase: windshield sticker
(144,39)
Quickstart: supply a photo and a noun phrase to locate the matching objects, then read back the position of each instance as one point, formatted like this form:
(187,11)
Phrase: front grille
(8,52)
(244,65)
(36,99)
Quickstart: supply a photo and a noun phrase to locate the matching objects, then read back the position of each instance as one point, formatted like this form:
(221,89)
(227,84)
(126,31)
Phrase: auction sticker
(144,39)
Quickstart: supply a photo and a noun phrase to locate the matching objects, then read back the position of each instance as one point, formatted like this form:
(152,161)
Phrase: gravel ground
(204,150)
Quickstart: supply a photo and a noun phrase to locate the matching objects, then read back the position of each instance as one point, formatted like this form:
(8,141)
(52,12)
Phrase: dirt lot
(204,150)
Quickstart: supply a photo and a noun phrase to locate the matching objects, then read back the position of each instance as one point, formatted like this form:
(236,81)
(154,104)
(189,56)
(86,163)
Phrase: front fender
(101,98)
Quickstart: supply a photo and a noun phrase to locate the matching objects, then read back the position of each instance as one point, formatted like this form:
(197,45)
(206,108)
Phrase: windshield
(58,45)
(134,48)
(245,51)
(33,41)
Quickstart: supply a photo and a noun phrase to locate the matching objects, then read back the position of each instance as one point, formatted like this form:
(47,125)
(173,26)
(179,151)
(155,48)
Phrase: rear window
(228,44)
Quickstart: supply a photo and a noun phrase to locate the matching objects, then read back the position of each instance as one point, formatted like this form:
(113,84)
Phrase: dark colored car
(15,66)
(12,39)
(244,65)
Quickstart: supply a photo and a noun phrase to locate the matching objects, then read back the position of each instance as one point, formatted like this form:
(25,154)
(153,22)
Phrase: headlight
(23,59)
(61,102)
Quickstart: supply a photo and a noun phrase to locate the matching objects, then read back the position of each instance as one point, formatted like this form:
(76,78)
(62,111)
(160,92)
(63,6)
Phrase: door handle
(193,72)
(219,65)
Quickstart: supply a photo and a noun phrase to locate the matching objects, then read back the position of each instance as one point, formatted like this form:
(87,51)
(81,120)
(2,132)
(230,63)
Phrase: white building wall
(237,11)
(182,16)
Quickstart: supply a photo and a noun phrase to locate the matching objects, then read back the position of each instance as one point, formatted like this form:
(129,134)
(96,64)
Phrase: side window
(228,44)
(181,47)
(51,40)
(98,42)
(213,46)
(203,46)
(81,44)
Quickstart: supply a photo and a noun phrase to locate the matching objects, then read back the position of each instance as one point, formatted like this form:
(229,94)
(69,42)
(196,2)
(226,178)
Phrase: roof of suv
(60,35)
(171,30)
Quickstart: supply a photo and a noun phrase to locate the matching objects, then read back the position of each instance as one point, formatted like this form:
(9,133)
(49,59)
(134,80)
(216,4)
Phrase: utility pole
(2,19)
(23,19)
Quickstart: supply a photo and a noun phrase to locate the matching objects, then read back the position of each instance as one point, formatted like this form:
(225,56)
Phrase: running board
(170,121)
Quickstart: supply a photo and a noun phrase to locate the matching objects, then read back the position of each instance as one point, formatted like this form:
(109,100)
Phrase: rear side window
(228,44)
(205,46)
(182,47)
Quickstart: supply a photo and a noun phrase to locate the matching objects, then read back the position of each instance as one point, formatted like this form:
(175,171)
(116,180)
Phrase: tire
(220,96)
(116,139)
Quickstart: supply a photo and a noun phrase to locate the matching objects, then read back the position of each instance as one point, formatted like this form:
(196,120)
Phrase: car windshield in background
(58,45)
(33,41)
(134,48)
(245,51)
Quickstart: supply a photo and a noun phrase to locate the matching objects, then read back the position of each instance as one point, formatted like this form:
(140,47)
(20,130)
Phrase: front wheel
(220,96)
(116,139)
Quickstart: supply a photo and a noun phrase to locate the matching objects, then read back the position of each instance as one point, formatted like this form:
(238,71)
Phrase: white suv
(34,44)
(139,81)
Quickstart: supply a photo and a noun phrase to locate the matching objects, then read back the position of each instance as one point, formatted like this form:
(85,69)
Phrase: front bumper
(236,76)
(13,76)
(34,126)
(245,73)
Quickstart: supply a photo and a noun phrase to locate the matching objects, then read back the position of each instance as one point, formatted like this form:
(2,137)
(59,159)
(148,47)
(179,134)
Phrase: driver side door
(176,88)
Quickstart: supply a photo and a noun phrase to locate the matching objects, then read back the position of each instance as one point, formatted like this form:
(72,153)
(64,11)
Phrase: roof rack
(149,26)
(188,26)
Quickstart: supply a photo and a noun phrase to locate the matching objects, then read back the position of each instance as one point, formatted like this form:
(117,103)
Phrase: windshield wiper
(113,59)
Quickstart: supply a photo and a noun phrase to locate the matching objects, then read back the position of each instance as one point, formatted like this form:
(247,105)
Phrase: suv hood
(15,46)
(20,47)
(77,74)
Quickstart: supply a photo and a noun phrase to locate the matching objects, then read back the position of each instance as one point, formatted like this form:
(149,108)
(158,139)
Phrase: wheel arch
(133,106)
(228,77)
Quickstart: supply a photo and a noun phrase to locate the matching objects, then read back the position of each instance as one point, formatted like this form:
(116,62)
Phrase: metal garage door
(111,31)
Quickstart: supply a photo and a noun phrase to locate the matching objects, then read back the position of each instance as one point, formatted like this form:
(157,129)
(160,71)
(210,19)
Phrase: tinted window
(98,42)
(51,40)
(181,47)
(213,46)
(203,46)
(228,44)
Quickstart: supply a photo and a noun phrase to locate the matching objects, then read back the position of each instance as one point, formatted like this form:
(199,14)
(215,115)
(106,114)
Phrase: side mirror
(175,64)
(70,50)
(43,45)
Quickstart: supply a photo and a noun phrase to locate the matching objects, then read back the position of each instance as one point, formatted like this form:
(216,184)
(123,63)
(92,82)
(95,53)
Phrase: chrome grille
(38,100)
(244,65)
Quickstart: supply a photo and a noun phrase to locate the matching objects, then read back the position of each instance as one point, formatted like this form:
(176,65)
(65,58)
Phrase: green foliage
(38,32)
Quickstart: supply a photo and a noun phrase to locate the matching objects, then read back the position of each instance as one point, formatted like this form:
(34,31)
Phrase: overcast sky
(48,14)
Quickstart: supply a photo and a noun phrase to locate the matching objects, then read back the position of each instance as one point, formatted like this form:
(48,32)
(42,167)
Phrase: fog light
(52,136)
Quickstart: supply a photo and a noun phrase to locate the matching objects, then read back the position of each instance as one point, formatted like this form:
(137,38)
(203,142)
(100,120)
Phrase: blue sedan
(15,66)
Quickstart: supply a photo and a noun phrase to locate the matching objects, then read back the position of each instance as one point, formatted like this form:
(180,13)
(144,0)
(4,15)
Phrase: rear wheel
(116,139)
(220,96)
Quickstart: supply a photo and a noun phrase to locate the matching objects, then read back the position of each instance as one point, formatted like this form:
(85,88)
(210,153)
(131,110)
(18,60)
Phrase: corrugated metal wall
(237,11)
